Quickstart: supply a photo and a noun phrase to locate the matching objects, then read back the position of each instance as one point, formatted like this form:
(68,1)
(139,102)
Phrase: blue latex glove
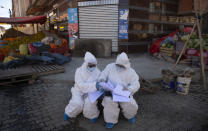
(99,88)
(105,86)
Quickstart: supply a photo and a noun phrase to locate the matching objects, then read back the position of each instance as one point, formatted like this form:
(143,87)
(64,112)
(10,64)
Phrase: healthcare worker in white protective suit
(120,73)
(86,78)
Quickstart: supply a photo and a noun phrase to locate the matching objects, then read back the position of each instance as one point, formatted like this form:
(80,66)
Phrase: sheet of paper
(107,85)
(94,96)
(119,91)
(117,98)
(110,85)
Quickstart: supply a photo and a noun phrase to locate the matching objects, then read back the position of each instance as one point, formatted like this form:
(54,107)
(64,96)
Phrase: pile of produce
(168,45)
(12,33)
(14,44)
(194,42)
(168,42)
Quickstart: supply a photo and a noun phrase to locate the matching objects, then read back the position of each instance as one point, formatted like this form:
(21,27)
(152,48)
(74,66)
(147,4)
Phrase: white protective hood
(123,59)
(88,58)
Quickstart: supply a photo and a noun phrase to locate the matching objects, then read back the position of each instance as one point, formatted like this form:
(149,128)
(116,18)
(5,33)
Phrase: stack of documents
(118,93)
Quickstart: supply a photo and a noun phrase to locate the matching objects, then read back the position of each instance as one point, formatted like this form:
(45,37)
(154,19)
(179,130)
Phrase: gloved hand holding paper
(119,95)
(119,91)
(94,96)
(106,86)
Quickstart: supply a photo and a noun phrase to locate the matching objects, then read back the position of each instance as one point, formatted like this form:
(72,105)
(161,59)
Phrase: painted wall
(20,7)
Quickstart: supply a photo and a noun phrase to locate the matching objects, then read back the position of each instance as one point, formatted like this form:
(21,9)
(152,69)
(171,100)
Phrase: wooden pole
(201,55)
(37,27)
(33,28)
(184,47)
(198,15)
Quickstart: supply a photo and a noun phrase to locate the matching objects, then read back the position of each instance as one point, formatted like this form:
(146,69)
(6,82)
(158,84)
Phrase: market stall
(172,44)
(18,49)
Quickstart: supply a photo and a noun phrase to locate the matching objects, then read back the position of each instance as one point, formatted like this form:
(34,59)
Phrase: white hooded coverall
(127,78)
(85,82)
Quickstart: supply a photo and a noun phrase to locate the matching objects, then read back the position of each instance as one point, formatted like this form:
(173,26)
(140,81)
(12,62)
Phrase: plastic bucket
(183,84)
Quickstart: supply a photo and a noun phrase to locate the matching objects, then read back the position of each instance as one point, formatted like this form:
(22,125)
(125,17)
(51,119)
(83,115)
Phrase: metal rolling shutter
(99,22)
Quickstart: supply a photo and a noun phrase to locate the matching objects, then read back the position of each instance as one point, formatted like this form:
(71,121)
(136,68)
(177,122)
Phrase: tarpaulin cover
(156,44)
(24,20)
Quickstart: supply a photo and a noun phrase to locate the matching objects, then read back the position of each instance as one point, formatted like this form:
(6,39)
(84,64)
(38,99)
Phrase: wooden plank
(48,69)
(53,67)
(52,72)
(41,69)
(36,68)
(166,49)
(199,12)
(16,72)
(135,43)
(158,22)
(44,68)
(17,79)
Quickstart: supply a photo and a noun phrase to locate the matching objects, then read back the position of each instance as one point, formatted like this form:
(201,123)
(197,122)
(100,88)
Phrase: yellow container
(23,49)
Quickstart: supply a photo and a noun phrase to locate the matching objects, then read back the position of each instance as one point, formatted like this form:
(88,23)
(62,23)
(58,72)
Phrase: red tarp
(155,47)
(24,20)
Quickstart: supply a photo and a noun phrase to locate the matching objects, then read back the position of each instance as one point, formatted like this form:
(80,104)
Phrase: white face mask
(120,69)
(91,69)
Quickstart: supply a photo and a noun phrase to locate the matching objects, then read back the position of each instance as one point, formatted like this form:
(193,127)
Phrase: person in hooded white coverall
(126,77)
(85,81)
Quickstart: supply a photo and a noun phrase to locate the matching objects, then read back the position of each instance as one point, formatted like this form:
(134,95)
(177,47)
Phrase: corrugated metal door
(99,22)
